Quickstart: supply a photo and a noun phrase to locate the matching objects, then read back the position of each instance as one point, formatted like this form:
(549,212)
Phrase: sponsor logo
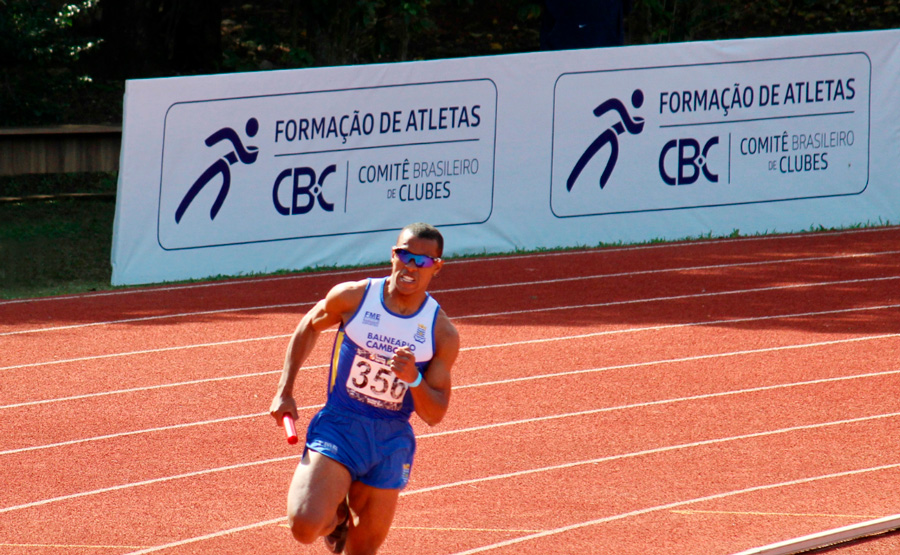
(313,190)
(610,137)
(420,334)
(406,469)
(691,161)
(372,319)
(221,167)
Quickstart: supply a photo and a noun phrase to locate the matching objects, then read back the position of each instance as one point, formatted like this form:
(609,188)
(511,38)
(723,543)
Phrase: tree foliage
(65,62)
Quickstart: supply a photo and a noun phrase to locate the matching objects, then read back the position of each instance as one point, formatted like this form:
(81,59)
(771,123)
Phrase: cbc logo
(305,186)
(691,160)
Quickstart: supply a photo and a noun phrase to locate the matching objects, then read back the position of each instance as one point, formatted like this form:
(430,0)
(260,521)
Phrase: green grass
(55,247)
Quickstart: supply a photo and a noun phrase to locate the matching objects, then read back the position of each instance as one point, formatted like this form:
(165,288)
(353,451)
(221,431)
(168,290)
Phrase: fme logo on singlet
(372,319)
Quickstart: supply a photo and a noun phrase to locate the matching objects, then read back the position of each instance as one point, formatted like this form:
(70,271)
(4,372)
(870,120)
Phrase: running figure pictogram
(221,166)
(610,136)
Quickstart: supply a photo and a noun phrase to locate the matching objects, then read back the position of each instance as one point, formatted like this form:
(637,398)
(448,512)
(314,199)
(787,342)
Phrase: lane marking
(149,482)
(187,287)
(146,351)
(464,349)
(760,513)
(563,466)
(687,296)
(676,504)
(492,258)
(154,318)
(545,533)
(70,546)
(506,382)
(669,270)
(492,286)
(211,536)
(660,402)
(531,311)
(454,529)
(535,419)
(686,359)
(149,388)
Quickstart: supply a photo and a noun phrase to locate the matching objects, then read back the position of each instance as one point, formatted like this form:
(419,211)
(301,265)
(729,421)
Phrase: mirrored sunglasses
(420,260)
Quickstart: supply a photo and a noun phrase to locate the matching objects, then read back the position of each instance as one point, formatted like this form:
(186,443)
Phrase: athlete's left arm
(432,396)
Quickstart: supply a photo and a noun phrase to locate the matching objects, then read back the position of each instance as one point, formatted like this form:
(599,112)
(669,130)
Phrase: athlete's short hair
(422,230)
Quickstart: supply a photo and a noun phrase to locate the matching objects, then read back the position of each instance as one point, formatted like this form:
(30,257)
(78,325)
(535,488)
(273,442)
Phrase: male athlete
(392,356)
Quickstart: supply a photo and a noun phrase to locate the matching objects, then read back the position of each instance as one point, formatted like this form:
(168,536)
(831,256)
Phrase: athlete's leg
(319,486)
(373,509)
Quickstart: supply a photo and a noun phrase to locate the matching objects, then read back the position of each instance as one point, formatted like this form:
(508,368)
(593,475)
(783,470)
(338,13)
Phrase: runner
(392,357)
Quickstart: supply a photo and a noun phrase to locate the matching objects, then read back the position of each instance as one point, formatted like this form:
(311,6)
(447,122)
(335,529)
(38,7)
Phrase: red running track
(693,398)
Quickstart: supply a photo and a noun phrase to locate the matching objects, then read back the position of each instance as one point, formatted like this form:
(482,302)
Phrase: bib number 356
(374,383)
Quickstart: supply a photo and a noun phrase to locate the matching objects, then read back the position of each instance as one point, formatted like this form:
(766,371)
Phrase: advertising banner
(719,134)
(257,172)
(314,164)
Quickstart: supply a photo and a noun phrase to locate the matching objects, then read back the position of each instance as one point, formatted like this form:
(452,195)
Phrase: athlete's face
(412,274)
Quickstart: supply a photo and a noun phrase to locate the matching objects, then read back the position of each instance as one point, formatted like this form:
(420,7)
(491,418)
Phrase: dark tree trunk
(161,37)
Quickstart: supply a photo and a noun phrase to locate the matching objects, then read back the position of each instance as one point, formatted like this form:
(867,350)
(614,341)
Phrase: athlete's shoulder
(445,333)
(346,296)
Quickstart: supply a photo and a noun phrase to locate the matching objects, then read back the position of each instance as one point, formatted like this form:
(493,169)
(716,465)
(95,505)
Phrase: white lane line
(146,351)
(537,310)
(481,287)
(586,412)
(685,269)
(671,401)
(685,359)
(639,512)
(492,258)
(186,287)
(510,344)
(138,432)
(153,318)
(144,483)
(211,536)
(653,451)
(689,512)
(689,296)
(673,505)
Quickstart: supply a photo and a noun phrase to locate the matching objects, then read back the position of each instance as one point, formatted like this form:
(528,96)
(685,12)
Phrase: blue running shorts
(378,452)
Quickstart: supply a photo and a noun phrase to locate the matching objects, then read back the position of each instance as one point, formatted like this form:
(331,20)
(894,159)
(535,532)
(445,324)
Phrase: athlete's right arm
(340,303)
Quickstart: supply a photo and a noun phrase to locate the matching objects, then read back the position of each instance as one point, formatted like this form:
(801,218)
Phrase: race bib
(372,382)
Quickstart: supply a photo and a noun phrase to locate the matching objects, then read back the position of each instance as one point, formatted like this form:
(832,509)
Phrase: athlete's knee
(302,531)
(306,528)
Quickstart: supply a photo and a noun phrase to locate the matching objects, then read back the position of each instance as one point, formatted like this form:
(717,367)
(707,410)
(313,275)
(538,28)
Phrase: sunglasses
(420,260)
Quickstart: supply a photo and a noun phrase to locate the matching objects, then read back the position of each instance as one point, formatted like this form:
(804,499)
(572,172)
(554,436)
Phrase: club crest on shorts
(406,469)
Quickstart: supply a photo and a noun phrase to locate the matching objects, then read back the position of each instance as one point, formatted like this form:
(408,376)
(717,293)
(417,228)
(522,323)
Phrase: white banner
(325,163)
(720,134)
(258,172)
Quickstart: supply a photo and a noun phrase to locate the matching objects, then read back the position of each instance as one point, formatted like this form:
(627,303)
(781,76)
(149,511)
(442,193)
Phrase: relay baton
(289,429)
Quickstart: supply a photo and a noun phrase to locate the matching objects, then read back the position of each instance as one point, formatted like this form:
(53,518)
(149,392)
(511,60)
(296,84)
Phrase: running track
(690,398)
